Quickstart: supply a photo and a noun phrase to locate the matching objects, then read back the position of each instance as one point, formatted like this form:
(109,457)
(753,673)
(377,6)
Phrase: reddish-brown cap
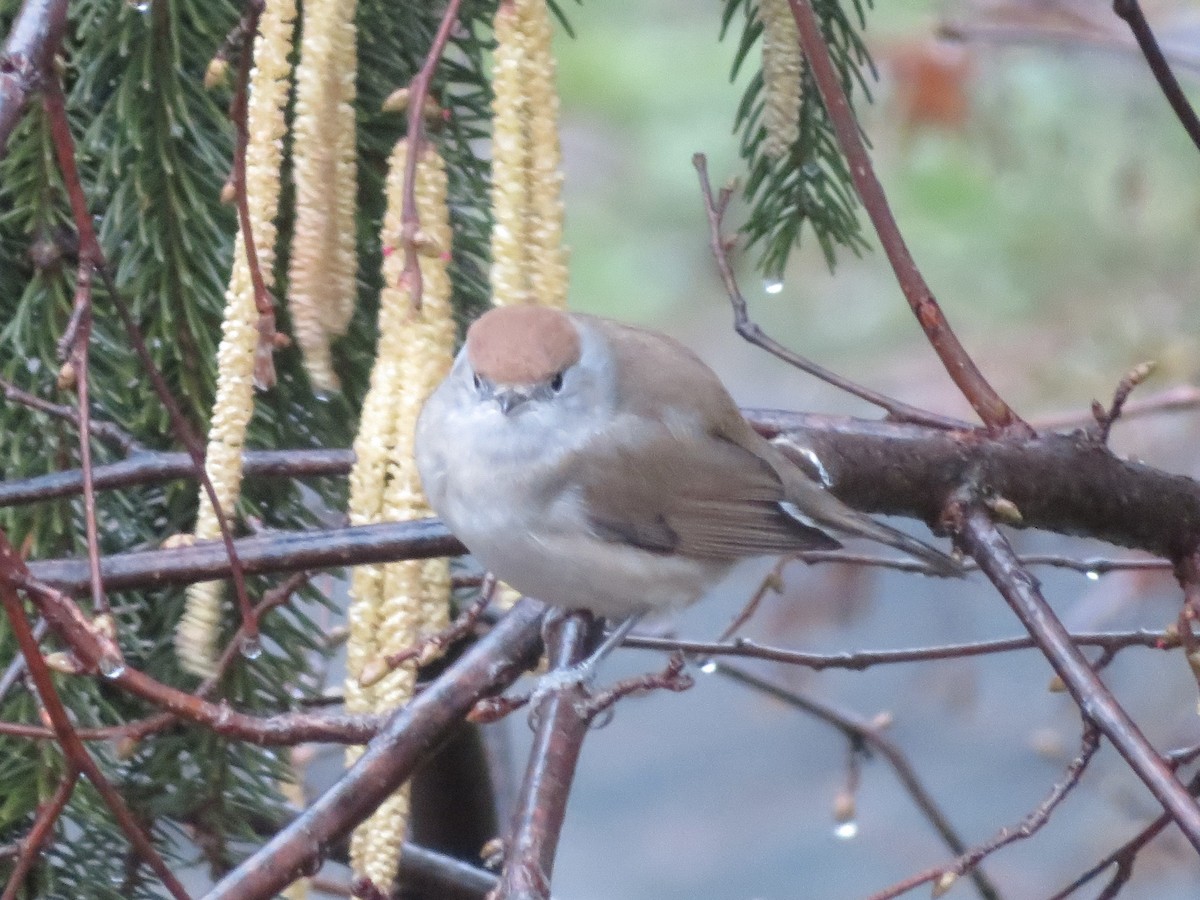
(522,344)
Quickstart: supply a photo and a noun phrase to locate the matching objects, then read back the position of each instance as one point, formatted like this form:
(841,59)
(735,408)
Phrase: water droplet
(251,647)
(33,365)
(142,6)
(111,667)
(810,170)
(846,830)
(323,396)
(772,285)
(709,666)
(1093,575)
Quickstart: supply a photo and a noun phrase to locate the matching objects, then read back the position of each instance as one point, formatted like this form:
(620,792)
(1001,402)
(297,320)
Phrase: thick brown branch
(990,407)
(983,540)
(489,666)
(26,58)
(1059,482)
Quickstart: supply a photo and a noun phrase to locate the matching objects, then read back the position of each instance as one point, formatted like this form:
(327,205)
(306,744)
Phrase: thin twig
(990,407)
(73,747)
(264,353)
(943,877)
(110,432)
(76,340)
(865,659)
(981,538)
(715,208)
(1123,857)
(39,832)
(418,90)
(1106,418)
(868,733)
(1131,12)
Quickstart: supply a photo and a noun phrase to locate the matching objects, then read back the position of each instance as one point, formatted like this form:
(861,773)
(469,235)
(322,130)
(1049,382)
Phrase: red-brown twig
(487,667)
(1188,574)
(988,405)
(983,540)
(1106,418)
(264,354)
(1131,12)
(1123,857)
(430,648)
(858,729)
(562,724)
(860,660)
(91,253)
(943,877)
(418,90)
(109,432)
(76,340)
(43,825)
(73,748)
(1181,398)
(671,678)
(27,58)
(715,208)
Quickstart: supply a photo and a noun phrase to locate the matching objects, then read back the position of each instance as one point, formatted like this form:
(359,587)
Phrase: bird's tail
(942,563)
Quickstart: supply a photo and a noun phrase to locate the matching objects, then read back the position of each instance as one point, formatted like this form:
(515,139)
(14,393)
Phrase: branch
(73,747)
(273,552)
(487,667)
(990,407)
(110,432)
(715,209)
(943,877)
(1067,483)
(264,360)
(43,824)
(148,467)
(981,538)
(865,659)
(27,58)
(562,724)
(867,733)
(1131,12)
(418,90)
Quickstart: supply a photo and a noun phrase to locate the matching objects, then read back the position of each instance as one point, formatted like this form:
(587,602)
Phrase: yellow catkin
(547,257)
(322,280)
(783,83)
(392,605)
(196,636)
(510,164)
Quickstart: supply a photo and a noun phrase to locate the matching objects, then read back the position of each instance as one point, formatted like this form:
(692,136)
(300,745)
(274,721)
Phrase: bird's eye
(556,383)
(478,381)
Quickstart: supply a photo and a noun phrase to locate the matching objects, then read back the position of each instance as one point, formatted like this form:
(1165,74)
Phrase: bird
(596,465)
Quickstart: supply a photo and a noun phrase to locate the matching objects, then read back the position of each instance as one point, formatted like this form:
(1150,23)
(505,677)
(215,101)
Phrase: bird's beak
(509,400)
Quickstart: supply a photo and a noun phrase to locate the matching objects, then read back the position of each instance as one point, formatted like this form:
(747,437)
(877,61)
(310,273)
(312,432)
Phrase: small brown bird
(599,466)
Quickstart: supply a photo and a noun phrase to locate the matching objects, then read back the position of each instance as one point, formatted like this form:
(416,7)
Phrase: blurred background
(1052,201)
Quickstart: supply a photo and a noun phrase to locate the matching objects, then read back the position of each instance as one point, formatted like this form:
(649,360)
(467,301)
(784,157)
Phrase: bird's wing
(703,496)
